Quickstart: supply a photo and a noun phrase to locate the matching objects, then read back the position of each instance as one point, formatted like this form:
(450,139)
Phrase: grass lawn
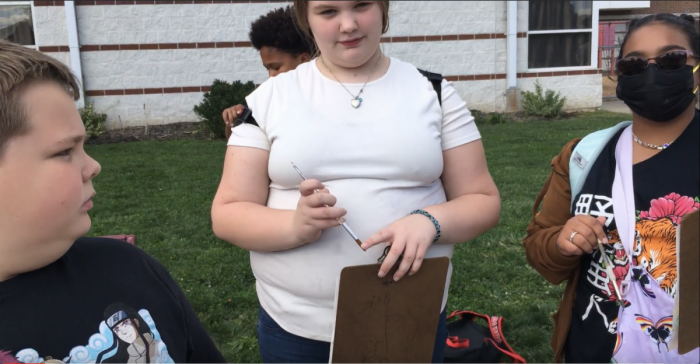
(162,192)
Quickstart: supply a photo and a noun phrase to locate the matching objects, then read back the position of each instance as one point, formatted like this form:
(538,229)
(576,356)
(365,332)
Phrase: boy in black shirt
(64,298)
(282,47)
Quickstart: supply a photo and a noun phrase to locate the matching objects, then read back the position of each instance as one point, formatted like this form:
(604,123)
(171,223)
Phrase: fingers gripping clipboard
(379,320)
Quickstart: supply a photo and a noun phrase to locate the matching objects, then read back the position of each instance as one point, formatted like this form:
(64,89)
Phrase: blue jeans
(279,346)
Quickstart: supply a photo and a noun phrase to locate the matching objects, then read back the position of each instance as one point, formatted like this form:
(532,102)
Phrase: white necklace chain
(356,100)
(651,146)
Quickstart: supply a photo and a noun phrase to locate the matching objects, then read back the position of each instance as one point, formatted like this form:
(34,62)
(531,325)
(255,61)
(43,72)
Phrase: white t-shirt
(381,161)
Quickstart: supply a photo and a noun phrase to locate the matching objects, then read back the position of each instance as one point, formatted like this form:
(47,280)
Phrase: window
(560,34)
(16,22)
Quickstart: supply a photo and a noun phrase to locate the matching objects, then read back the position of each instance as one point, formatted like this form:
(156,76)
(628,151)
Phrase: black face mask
(656,94)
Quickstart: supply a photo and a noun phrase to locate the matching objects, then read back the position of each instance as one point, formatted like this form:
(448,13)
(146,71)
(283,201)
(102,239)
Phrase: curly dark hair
(277,29)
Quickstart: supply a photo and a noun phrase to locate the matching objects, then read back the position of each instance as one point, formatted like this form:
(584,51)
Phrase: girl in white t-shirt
(404,172)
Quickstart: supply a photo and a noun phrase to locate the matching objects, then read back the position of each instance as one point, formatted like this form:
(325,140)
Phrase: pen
(608,269)
(611,274)
(341,222)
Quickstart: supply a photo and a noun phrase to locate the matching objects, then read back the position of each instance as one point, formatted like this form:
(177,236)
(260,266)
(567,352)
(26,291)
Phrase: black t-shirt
(104,300)
(666,186)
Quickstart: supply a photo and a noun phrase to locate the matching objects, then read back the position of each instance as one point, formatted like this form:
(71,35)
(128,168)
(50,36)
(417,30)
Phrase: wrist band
(426,214)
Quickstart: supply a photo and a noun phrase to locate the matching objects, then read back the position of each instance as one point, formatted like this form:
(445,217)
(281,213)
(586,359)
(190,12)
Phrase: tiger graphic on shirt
(654,246)
(653,250)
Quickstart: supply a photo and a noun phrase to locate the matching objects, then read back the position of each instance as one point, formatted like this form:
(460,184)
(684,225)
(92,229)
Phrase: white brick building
(148,62)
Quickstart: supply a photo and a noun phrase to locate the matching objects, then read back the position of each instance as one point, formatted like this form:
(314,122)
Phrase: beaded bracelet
(426,214)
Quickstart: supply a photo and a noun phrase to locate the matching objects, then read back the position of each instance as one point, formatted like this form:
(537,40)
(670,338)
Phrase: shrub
(479,117)
(547,105)
(221,96)
(93,121)
(493,118)
(497,118)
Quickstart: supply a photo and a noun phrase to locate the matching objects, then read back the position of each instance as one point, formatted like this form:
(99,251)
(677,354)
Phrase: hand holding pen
(316,211)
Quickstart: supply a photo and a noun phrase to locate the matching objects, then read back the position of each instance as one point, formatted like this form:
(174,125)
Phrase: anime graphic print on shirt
(665,189)
(654,250)
(655,247)
(125,336)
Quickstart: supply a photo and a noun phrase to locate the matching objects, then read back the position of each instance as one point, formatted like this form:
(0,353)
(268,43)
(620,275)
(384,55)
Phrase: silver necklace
(356,100)
(651,146)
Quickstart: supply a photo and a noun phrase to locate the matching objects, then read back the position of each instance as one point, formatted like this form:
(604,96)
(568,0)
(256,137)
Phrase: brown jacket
(540,243)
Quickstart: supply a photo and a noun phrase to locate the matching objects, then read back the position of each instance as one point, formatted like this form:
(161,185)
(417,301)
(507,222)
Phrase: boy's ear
(305,57)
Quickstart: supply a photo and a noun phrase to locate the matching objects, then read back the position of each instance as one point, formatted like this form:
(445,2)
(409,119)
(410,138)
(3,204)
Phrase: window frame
(31,4)
(595,13)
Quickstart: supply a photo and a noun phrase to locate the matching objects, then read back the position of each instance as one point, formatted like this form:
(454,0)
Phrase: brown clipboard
(688,281)
(380,320)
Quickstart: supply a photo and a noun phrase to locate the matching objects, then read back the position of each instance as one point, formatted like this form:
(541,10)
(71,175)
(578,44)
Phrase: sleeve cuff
(465,139)
(247,135)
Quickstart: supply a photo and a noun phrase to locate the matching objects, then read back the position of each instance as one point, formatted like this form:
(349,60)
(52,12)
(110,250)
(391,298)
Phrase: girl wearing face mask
(637,190)
(380,151)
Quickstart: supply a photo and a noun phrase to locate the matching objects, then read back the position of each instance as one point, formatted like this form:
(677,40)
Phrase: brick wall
(674,7)
(149,64)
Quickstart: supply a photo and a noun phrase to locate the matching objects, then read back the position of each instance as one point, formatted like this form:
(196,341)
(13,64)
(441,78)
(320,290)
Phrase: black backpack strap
(246,117)
(436,80)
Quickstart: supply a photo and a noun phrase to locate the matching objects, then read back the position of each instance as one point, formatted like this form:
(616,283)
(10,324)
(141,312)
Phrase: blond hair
(20,67)
(301,17)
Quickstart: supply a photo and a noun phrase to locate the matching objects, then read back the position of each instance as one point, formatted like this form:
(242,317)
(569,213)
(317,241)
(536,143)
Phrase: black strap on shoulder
(436,80)
(246,117)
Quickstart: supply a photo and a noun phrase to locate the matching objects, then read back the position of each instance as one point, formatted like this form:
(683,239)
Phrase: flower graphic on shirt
(654,247)
(617,255)
(672,206)
(7,357)
(620,274)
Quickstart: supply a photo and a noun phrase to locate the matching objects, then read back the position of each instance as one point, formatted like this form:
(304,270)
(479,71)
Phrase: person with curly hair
(400,152)
(282,48)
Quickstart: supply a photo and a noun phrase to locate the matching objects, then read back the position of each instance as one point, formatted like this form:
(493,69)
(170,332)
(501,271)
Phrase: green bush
(493,118)
(547,105)
(221,96)
(93,121)
(497,118)
(479,117)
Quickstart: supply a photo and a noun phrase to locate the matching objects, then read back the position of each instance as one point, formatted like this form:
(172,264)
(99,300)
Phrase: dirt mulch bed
(175,131)
(516,117)
(520,117)
(196,130)
(609,86)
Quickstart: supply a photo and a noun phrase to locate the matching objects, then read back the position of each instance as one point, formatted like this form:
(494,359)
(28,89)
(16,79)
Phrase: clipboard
(379,320)
(686,311)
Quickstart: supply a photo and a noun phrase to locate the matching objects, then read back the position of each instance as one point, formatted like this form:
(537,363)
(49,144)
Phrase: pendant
(356,102)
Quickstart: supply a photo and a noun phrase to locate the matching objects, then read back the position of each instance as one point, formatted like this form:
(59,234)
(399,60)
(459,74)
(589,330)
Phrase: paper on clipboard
(686,309)
(380,320)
